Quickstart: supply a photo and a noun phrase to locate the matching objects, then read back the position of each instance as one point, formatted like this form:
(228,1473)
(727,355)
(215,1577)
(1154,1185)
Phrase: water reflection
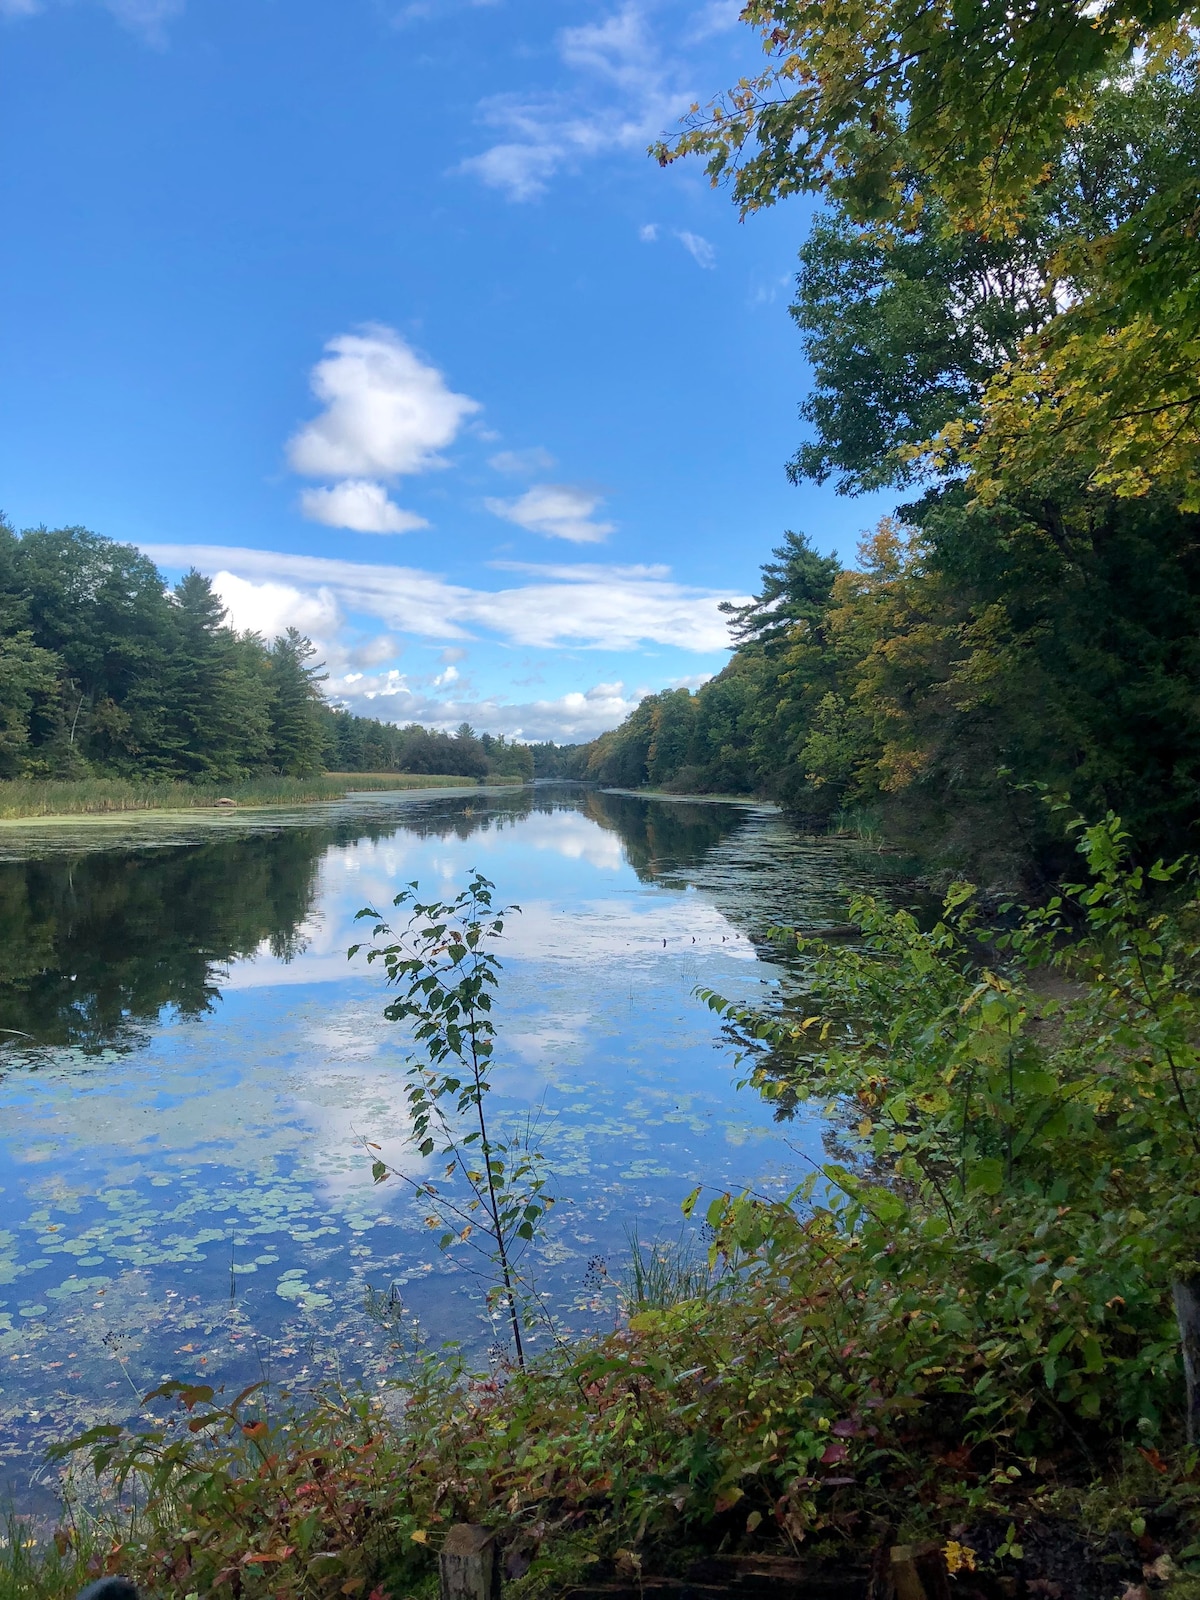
(98,941)
(198,1061)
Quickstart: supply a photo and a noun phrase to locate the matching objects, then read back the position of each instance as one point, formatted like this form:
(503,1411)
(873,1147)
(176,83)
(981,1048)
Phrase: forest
(1018,367)
(105,670)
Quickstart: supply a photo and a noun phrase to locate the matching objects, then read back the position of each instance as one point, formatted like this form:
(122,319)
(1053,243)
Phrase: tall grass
(35,797)
(862,822)
(666,1272)
(34,1566)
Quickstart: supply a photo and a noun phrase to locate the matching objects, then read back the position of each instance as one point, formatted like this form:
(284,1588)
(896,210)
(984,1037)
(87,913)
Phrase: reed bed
(32,797)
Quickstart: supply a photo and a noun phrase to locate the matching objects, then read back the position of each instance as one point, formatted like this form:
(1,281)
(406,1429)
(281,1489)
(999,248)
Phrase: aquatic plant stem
(494,1206)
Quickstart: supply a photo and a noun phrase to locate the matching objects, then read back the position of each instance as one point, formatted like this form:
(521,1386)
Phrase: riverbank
(24,798)
(711,1433)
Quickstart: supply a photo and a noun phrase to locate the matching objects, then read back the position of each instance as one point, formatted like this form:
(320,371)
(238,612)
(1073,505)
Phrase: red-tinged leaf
(1153,1457)
(269,1556)
(254,1430)
(835,1452)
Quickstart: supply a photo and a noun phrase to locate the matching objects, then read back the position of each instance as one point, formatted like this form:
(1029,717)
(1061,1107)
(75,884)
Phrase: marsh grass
(36,1566)
(36,797)
(666,1272)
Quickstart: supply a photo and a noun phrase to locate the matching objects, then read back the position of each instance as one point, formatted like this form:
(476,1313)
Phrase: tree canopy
(104,668)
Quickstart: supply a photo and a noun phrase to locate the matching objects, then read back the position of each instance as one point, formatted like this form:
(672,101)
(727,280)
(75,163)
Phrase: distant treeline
(361,744)
(105,669)
(933,688)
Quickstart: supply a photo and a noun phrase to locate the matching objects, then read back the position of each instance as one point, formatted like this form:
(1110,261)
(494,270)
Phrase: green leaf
(986,1176)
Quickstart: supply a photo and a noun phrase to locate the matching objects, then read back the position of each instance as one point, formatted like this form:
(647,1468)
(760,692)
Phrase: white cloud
(558,510)
(387,413)
(521,170)
(571,719)
(520,462)
(648,233)
(373,652)
(588,606)
(622,97)
(360,505)
(701,252)
(271,608)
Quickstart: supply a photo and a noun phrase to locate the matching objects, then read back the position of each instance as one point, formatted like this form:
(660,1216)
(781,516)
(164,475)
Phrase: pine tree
(298,737)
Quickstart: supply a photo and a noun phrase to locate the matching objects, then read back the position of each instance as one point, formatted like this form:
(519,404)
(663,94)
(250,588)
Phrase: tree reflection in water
(97,941)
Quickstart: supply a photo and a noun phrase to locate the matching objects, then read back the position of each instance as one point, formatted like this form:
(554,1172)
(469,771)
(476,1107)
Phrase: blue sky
(379,314)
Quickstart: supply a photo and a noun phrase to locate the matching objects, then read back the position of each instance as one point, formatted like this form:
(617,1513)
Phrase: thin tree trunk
(1187,1313)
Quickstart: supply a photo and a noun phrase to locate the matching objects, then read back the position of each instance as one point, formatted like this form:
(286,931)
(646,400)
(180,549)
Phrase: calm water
(189,1062)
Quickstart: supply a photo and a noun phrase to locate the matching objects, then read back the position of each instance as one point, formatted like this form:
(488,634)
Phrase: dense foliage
(1030,372)
(103,669)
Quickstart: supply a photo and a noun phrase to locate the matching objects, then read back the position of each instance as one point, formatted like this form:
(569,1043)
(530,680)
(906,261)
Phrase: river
(189,1064)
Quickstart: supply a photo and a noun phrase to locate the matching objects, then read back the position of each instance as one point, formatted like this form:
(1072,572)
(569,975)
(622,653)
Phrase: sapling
(444,965)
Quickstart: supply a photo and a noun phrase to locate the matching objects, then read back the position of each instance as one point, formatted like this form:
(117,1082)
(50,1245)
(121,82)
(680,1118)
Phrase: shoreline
(152,802)
(749,801)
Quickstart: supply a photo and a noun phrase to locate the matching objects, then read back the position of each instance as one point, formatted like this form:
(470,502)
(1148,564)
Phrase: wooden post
(918,1572)
(470,1563)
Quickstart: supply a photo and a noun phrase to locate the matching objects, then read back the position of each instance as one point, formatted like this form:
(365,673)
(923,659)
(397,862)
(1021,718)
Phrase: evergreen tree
(297,733)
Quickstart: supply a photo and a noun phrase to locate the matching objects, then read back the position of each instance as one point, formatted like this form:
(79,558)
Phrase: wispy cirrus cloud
(557,510)
(147,18)
(387,414)
(581,605)
(701,252)
(522,462)
(622,95)
(697,246)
